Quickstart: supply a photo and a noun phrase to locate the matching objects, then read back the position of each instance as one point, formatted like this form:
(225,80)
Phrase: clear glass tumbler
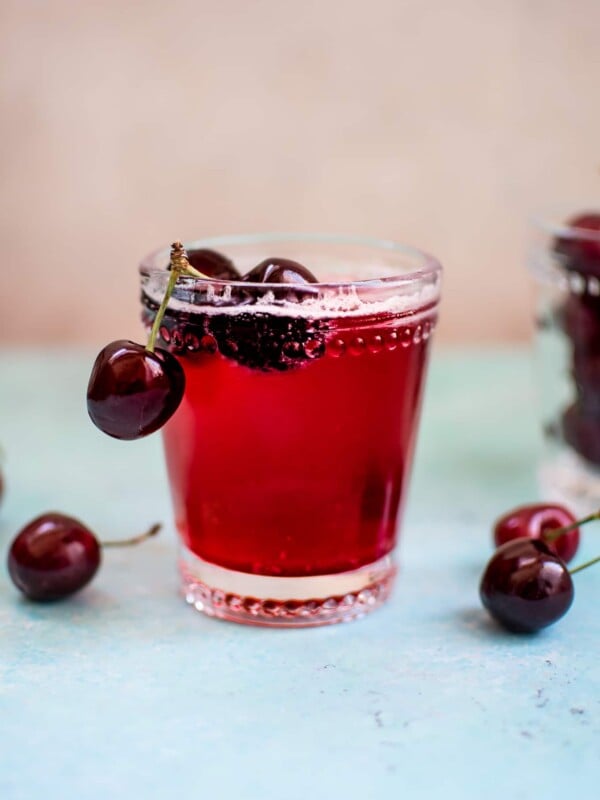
(290,455)
(565,261)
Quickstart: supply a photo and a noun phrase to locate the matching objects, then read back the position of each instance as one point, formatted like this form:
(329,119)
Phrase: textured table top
(124,692)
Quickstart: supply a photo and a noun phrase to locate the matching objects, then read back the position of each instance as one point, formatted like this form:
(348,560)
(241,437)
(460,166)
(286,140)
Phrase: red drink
(291,451)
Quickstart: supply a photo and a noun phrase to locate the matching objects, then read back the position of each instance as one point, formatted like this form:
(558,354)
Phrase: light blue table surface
(124,692)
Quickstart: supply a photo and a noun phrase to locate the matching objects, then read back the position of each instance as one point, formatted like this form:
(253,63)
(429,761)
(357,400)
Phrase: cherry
(53,557)
(56,555)
(537,521)
(132,392)
(579,318)
(581,253)
(213,264)
(525,586)
(280,270)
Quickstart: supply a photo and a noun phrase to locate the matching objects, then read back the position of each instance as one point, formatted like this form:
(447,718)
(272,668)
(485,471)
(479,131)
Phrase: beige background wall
(128,124)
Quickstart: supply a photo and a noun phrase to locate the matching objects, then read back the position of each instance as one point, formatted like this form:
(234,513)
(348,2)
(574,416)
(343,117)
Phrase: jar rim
(553,222)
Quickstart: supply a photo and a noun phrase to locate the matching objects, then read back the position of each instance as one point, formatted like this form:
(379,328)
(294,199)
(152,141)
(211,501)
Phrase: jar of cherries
(565,260)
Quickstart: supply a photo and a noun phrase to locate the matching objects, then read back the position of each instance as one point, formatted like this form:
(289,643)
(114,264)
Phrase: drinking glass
(290,456)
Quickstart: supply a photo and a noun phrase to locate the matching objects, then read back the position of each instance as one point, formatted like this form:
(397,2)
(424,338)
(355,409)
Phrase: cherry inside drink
(290,455)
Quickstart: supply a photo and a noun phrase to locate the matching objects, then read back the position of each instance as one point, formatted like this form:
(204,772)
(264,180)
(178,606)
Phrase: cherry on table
(53,556)
(525,586)
(536,521)
(132,392)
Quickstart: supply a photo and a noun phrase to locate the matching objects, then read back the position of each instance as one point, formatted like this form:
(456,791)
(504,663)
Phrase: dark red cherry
(580,252)
(579,318)
(534,522)
(589,247)
(280,270)
(581,430)
(525,587)
(52,557)
(132,392)
(213,264)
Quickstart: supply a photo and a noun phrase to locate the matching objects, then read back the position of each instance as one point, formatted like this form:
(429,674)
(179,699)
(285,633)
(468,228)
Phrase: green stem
(551,536)
(134,539)
(585,565)
(180,265)
(194,273)
(161,311)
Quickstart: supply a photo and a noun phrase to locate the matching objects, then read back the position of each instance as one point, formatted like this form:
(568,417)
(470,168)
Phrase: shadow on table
(478,622)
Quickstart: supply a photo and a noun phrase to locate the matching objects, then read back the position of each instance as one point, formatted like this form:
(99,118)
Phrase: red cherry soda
(303,471)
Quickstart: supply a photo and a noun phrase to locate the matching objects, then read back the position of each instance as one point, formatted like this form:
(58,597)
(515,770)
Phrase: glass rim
(549,223)
(431,266)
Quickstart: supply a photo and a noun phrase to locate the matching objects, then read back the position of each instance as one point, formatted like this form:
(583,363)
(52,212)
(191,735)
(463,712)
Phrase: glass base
(284,602)
(568,479)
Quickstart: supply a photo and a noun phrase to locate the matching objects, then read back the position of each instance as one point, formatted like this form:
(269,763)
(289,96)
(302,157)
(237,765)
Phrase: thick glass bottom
(284,602)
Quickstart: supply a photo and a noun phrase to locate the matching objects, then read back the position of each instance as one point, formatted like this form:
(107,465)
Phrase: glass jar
(565,260)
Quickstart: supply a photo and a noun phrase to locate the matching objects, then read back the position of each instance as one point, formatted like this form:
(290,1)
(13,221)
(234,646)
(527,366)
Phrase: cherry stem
(585,565)
(557,532)
(134,539)
(179,266)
